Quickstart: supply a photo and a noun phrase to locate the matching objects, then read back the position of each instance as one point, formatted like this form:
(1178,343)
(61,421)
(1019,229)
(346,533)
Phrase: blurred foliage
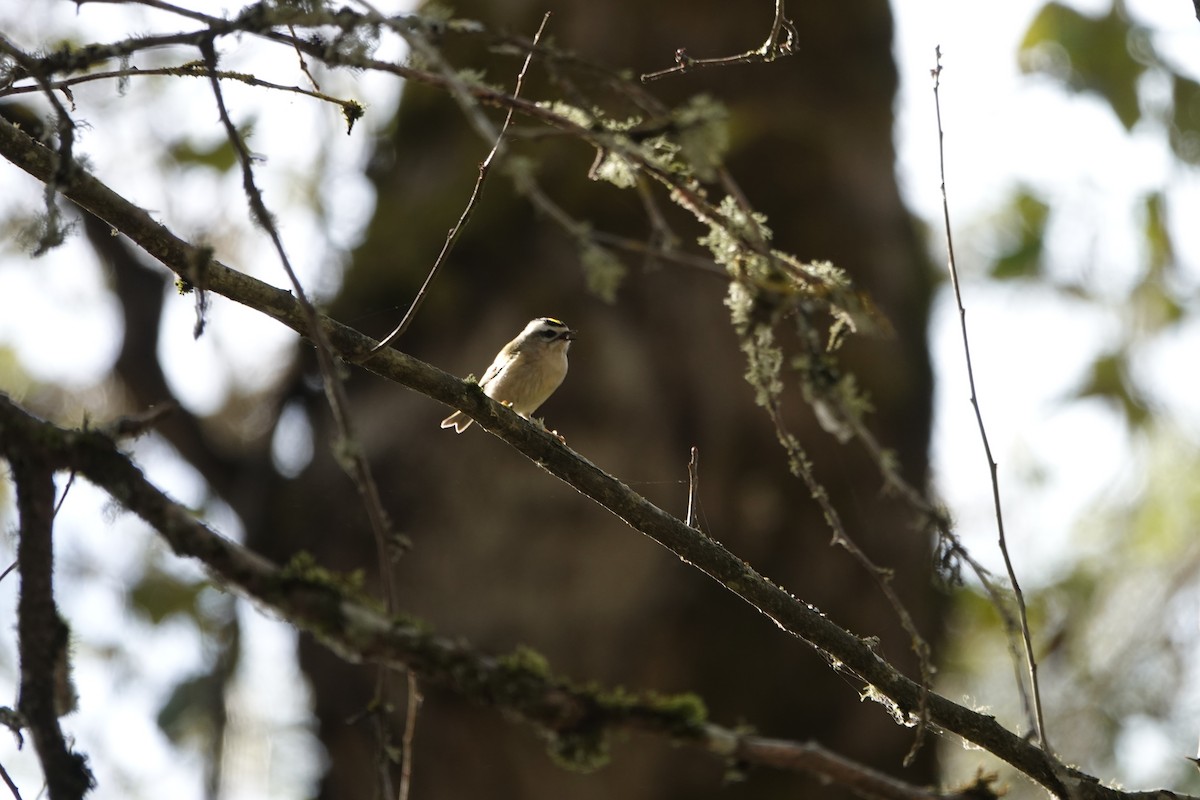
(1185,119)
(1114,618)
(1109,378)
(1024,222)
(1119,625)
(13,377)
(1155,304)
(1087,54)
(1109,57)
(193,715)
(219,156)
(188,715)
(159,595)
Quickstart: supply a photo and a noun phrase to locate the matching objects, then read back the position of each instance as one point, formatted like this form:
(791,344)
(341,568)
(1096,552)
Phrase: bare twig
(410,727)
(304,64)
(759,338)
(351,109)
(780,42)
(379,712)
(350,451)
(454,233)
(53,230)
(801,467)
(859,779)
(134,425)
(8,781)
(584,234)
(335,392)
(693,487)
(937,520)
(57,506)
(661,235)
(1031,661)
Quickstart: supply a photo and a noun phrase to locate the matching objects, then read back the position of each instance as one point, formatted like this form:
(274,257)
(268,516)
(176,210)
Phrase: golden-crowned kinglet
(526,371)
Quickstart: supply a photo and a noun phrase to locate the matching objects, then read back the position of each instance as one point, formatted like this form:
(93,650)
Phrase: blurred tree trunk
(504,554)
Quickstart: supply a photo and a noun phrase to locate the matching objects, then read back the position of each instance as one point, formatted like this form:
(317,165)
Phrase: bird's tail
(458,420)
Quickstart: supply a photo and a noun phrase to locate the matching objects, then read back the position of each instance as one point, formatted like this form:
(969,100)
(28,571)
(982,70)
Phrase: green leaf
(159,595)
(1087,54)
(1025,224)
(220,156)
(1185,120)
(1155,306)
(191,709)
(1158,236)
(1109,379)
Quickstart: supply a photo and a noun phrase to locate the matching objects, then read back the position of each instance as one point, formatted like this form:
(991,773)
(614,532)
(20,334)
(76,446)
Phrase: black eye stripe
(550,329)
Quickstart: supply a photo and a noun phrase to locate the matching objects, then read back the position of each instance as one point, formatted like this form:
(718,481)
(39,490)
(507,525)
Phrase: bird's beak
(570,335)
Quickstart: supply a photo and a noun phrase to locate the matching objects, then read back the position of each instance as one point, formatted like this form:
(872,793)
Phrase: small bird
(526,371)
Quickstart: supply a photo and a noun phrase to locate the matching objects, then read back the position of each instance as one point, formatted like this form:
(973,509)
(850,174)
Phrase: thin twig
(54,230)
(693,487)
(410,728)
(454,233)
(1031,661)
(379,711)
(304,64)
(858,778)
(12,787)
(451,239)
(349,449)
(584,234)
(350,108)
(57,506)
(801,467)
(780,42)
(335,391)
(938,521)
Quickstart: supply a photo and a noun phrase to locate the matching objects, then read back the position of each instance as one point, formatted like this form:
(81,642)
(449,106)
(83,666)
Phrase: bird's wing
(502,360)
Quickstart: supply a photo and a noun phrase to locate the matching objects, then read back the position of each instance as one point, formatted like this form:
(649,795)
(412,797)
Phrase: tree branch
(848,652)
(45,683)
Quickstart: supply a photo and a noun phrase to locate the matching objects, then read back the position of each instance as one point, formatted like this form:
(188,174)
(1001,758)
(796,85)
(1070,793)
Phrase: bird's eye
(548,334)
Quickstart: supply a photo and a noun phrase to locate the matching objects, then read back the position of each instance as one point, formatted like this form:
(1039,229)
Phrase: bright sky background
(1001,129)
